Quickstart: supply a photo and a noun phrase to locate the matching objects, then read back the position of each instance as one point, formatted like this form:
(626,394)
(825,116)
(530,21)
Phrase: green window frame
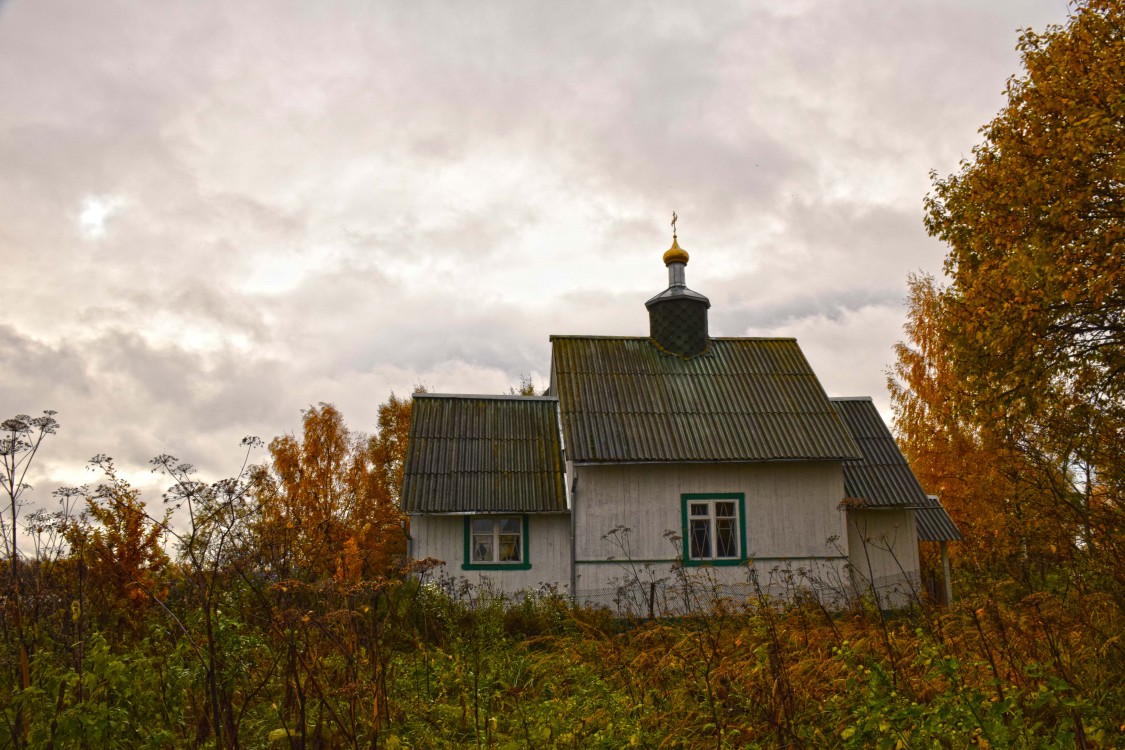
(497,542)
(714,528)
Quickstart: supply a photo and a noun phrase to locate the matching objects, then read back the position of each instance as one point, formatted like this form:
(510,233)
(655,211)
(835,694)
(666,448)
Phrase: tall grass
(425,663)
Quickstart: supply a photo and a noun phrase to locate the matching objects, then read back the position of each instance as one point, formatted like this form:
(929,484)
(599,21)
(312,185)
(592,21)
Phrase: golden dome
(675,254)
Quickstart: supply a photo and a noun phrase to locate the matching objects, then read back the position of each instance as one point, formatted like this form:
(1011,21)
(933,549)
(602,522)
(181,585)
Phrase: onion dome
(675,254)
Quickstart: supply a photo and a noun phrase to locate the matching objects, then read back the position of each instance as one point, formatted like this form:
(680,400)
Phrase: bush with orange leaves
(118,547)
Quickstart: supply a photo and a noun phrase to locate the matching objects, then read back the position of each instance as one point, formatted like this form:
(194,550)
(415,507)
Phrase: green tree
(525,388)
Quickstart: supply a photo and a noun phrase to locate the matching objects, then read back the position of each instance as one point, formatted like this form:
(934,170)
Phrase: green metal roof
(744,399)
(483,454)
(883,478)
(934,524)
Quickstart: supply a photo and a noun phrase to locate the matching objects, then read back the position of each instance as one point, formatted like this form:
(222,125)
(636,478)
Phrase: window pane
(726,542)
(509,548)
(700,543)
(482,548)
(700,509)
(496,539)
(724,509)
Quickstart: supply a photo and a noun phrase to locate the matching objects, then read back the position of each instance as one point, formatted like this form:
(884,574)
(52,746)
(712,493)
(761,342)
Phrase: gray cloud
(213,215)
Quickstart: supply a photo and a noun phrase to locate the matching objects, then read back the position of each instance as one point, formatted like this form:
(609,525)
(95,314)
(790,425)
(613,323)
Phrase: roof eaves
(486,396)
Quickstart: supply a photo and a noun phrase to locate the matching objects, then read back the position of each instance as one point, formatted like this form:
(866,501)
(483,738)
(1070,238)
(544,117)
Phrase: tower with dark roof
(678,316)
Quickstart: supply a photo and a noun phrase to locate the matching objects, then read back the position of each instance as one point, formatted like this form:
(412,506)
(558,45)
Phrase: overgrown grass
(405,664)
(1028,673)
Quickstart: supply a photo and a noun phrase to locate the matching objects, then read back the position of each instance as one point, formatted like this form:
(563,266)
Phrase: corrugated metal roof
(934,524)
(744,399)
(483,454)
(882,478)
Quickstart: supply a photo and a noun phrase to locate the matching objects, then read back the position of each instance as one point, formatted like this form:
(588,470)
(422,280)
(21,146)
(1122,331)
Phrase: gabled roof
(483,454)
(882,478)
(622,399)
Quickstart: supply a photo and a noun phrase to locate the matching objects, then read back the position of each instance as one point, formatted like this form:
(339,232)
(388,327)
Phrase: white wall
(884,552)
(795,532)
(796,537)
(666,589)
(443,537)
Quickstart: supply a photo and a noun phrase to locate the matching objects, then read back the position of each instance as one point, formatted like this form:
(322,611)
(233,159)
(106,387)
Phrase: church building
(662,472)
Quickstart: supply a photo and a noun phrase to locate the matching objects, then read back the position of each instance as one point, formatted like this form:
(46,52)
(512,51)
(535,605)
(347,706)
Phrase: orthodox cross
(674,218)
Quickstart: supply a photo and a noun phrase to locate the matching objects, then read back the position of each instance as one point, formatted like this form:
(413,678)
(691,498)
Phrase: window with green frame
(714,528)
(496,543)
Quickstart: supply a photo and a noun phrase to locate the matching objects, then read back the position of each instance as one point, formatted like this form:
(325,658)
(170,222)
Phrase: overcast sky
(214,214)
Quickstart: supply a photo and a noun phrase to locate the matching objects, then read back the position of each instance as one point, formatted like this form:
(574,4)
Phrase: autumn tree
(953,457)
(1035,224)
(1032,322)
(330,535)
(386,454)
(526,387)
(329,500)
(120,547)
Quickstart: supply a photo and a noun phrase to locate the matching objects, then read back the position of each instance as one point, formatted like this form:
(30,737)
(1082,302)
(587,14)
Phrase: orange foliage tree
(1035,225)
(955,457)
(1018,365)
(120,545)
(386,454)
(329,500)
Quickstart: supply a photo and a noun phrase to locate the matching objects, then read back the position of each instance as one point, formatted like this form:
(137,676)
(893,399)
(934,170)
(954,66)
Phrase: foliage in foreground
(415,664)
(251,640)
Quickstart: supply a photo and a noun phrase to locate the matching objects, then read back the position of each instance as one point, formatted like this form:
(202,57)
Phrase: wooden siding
(647,589)
(791,508)
(443,537)
(884,553)
(794,527)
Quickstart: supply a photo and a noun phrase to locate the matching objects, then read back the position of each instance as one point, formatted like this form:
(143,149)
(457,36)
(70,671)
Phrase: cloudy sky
(214,214)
